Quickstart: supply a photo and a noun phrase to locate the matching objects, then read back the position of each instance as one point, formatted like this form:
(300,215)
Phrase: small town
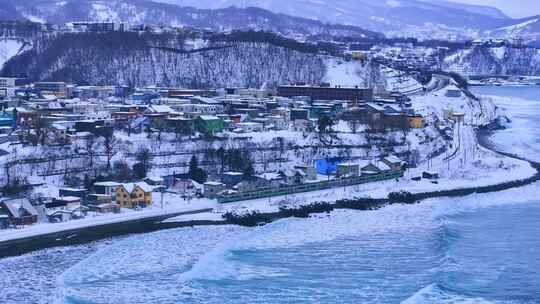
(72,153)
(77,141)
(269,151)
(384,119)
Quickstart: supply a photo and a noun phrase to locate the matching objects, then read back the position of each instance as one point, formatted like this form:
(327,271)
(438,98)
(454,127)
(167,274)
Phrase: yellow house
(416,121)
(133,195)
(358,55)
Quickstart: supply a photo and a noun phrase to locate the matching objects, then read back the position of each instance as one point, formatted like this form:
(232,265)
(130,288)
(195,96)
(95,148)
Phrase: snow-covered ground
(400,81)
(465,164)
(173,204)
(344,73)
(521,137)
(8,49)
(368,74)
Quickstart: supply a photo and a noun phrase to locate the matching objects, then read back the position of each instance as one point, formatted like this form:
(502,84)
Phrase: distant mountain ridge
(434,19)
(149,12)
(412,18)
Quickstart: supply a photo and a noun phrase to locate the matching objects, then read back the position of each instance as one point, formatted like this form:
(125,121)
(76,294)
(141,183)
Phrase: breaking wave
(381,256)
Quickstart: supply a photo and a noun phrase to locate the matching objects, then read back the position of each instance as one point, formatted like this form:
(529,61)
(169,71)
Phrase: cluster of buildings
(77,203)
(234,186)
(514,42)
(111,26)
(72,112)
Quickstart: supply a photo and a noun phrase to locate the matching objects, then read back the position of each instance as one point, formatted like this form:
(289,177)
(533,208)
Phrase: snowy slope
(141,60)
(8,49)
(495,61)
(344,73)
(527,28)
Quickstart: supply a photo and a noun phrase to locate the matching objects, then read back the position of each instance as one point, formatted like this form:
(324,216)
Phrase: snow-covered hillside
(495,61)
(528,29)
(8,49)
(369,74)
(141,60)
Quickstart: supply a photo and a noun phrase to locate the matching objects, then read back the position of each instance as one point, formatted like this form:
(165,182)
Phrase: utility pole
(161,199)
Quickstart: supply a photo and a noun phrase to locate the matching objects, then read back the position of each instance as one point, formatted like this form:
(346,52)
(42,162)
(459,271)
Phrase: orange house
(132,195)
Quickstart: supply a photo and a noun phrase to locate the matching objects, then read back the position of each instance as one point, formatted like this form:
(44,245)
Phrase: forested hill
(496,61)
(167,59)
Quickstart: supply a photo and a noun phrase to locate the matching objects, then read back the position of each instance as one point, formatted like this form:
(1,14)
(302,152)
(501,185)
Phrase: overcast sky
(513,8)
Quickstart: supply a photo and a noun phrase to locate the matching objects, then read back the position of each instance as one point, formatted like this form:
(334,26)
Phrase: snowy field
(8,49)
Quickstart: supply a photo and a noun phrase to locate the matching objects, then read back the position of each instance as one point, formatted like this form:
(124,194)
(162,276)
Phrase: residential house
(9,82)
(4,221)
(155,181)
(212,189)
(250,127)
(277,122)
(7,119)
(20,211)
(180,124)
(101,203)
(208,124)
(106,188)
(265,180)
(370,169)
(348,170)
(269,179)
(26,118)
(232,178)
(161,110)
(184,185)
(64,202)
(416,121)
(310,171)
(133,195)
(293,176)
(58,89)
(394,163)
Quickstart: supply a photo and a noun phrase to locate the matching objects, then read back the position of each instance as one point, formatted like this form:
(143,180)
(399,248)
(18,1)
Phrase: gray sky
(513,8)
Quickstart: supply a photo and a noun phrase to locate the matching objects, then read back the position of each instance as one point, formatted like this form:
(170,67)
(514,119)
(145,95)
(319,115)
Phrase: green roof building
(209,124)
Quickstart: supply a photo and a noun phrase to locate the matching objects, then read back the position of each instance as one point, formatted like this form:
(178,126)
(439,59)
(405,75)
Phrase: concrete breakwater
(88,234)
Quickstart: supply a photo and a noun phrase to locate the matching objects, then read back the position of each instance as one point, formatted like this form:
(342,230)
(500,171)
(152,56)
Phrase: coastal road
(46,235)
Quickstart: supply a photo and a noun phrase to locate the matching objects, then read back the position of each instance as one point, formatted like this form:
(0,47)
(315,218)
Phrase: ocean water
(522,106)
(482,248)
(478,249)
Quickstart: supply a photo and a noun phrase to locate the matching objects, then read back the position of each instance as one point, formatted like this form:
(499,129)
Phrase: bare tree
(144,157)
(110,143)
(90,145)
(160,125)
(41,131)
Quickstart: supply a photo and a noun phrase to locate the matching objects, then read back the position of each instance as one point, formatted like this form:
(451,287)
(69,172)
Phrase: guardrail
(308,187)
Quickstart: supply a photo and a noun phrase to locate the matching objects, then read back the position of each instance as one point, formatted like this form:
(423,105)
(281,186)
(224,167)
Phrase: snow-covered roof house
(20,211)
